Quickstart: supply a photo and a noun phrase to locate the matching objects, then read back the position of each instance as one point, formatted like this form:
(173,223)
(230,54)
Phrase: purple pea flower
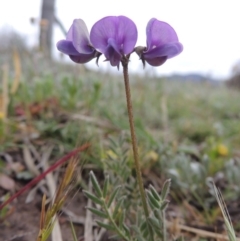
(114,37)
(162,43)
(77,44)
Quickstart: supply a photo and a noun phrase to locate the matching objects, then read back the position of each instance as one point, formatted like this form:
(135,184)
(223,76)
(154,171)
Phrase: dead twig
(199,232)
(72,217)
(99,123)
(27,157)
(88,235)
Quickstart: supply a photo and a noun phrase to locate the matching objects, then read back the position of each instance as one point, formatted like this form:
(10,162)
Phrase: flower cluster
(116,37)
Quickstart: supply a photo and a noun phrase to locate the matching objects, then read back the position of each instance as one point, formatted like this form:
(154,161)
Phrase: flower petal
(70,34)
(159,33)
(112,53)
(169,50)
(80,37)
(66,47)
(127,34)
(101,31)
(156,61)
(120,28)
(82,58)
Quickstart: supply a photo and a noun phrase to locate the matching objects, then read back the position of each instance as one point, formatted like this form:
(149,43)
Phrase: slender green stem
(119,231)
(73,231)
(134,142)
(164,228)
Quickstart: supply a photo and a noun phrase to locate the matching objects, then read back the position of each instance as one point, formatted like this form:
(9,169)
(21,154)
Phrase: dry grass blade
(5,95)
(97,122)
(41,176)
(56,231)
(19,236)
(18,71)
(88,235)
(98,235)
(49,221)
(73,217)
(43,213)
(32,193)
(199,232)
(227,219)
(29,160)
(164,109)
(27,157)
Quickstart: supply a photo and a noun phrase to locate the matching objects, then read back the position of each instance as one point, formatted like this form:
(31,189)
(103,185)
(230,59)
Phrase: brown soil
(23,223)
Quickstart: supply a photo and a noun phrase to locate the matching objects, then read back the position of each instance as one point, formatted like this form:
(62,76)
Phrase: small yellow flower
(222,150)
(2,115)
(111,154)
(152,155)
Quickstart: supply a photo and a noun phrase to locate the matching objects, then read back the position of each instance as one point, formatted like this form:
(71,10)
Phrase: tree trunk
(46,27)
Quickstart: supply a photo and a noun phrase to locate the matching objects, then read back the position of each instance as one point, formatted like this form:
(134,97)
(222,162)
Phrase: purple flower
(77,44)
(162,43)
(114,37)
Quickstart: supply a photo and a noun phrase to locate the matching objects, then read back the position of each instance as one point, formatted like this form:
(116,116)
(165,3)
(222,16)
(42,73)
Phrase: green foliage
(185,126)
(110,210)
(112,214)
(4,211)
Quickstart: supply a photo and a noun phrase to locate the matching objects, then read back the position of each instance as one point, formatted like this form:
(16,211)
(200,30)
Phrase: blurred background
(186,111)
(207,29)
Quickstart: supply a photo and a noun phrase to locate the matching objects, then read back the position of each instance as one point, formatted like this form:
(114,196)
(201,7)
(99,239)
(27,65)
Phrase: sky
(208,29)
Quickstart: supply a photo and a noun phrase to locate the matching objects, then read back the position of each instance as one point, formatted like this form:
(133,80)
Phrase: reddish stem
(42,175)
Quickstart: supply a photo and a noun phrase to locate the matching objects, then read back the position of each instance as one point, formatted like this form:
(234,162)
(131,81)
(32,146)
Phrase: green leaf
(140,238)
(154,222)
(113,143)
(95,184)
(155,226)
(98,212)
(143,226)
(114,237)
(164,205)
(105,225)
(157,214)
(165,189)
(152,200)
(138,233)
(145,233)
(122,217)
(126,229)
(113,196)
(105,186)
(94,198)
(116,209)
(155,193)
